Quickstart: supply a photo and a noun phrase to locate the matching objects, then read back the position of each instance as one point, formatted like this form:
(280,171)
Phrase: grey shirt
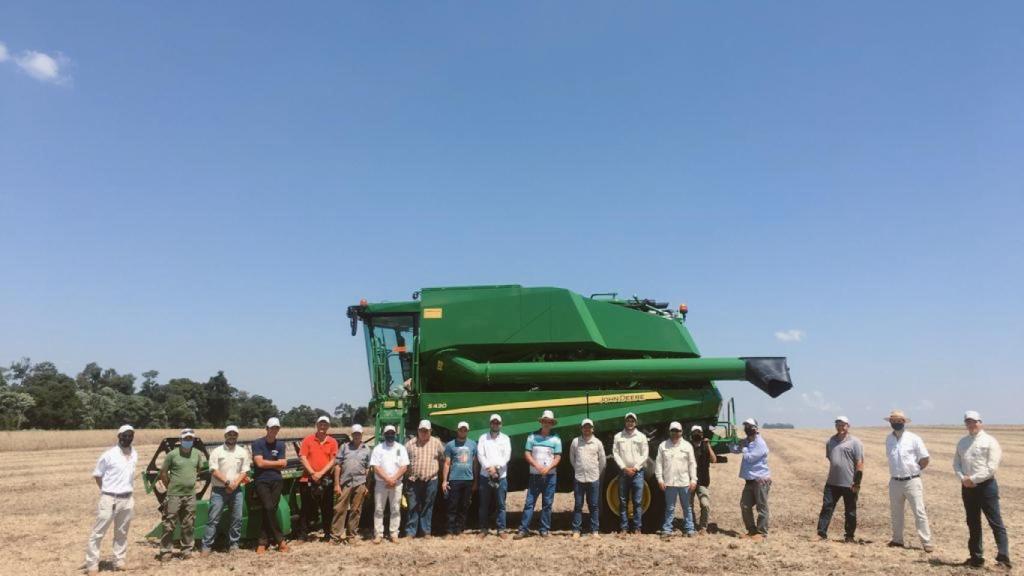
(843,457)
(355,464)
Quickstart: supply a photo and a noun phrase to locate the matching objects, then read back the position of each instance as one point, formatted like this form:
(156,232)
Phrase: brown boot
(261,550)
(282,547)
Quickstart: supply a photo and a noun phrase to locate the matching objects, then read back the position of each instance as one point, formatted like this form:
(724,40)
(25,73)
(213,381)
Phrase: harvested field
(51,501)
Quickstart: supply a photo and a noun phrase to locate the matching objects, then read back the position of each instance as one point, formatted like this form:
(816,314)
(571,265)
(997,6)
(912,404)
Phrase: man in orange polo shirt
(317,454)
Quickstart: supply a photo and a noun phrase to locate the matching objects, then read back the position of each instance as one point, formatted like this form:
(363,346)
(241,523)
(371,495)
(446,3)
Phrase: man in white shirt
(114,473)
(389,461)
(908,457)
(229,464)
(587,456)
(975,463)
(630,450)
(493,451)
(676,470)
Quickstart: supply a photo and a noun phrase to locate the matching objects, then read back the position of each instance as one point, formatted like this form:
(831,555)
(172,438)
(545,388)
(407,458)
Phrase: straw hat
(898,414)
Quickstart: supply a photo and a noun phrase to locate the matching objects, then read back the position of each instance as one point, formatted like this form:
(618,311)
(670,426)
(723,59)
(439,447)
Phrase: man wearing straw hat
(543,453)
(908,457)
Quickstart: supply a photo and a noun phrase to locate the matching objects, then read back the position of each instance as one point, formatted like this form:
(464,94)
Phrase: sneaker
(575,535)
(595,535)
(1003,561)
(894,544)
(377,540)
(545,534)
(261,550)
(519,536)
(92,569)
(928,548)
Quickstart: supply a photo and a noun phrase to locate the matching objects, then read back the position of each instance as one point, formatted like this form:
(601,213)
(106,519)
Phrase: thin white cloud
(3,52)
(791,335)
(924,406)
(817,401)
(39,65)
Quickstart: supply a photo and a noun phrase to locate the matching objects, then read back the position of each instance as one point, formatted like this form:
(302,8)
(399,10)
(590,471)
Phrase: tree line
(39,396)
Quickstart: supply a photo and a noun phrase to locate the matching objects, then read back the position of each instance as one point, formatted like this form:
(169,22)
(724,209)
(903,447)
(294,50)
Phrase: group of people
(334,483)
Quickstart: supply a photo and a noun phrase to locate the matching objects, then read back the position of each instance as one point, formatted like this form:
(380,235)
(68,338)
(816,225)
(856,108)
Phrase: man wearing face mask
(179,473)
(757,481)
(114,472)
(230,464)
(845,455)
(908,457)
(976,460)
(705,457)
(389,461)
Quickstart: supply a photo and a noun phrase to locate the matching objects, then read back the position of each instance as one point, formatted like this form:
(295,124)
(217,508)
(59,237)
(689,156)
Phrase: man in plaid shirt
(426,456)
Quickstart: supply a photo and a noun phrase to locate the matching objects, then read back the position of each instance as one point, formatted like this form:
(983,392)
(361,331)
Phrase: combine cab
(454,354)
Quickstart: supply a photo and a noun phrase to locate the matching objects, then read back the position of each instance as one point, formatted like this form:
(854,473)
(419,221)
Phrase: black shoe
(974,562)
(325,538)
(850,540)
(1003,561)
(894,544)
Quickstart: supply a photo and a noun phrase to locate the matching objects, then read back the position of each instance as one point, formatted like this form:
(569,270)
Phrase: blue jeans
(636,486)
(539,486)
(459,493)
(985,498)
(829,500)
(486,494)
(420,496)
(218,498)
(592,492)
(681,493)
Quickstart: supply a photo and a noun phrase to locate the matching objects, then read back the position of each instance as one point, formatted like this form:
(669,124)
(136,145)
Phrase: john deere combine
(462,353)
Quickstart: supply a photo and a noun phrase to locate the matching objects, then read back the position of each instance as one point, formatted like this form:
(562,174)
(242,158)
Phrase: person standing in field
(757,481)
(179,474)
(268,454)
(460,471)
(543,453)
(113,474)
(630,450)
(976,460)
(845,455)
(230,464)
(350,486)
(705,455)
(908,457)
(317,453)
(588,459)
(675,467)
(494,450)
(389,460)
(426,457)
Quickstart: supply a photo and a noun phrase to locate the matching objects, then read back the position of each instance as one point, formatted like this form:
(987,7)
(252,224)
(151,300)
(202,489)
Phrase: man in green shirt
(179,473)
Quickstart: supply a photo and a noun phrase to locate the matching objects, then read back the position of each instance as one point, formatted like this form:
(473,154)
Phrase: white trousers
(393,496)
(911,491)
(110,510)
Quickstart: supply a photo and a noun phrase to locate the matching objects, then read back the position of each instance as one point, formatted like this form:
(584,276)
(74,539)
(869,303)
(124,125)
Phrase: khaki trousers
(900,493)
(347,510)
(110,510)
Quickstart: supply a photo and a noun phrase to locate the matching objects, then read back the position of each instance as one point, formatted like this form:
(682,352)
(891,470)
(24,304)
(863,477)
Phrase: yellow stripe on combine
(618,398)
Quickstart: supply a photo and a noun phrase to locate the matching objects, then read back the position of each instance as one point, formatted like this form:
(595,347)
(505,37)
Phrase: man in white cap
(630,450)
(705,456)
(543,453)
(179,474)
(675,467)
(230,464)
(460,472)
(757,481)
(494,450)
(426,456)
(114,473)
(845,455)
(975,463)
(316,487)
(908,457)
(269,458)
(389,461)
(587,456)
(350,486)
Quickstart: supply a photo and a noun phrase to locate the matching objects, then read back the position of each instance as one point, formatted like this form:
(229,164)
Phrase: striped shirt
(424,461)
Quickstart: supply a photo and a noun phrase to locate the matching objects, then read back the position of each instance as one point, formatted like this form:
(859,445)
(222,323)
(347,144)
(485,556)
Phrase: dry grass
(45,535)
(22,440)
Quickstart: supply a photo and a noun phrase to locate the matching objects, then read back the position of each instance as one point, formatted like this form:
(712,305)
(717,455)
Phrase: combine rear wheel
(652,503)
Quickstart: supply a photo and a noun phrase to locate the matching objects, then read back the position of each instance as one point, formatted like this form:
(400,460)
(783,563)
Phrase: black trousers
(984,498)
(828,505)
(317,499)
(269,494)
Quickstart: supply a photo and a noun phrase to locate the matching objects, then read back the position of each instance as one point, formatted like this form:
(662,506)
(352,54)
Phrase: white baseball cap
(631,414)
(231,428)
(424,425)
(675,426)
(188,433)
(548,415)
(696,428)
(972,415)
(357,428)
(842,419)
(751,421)
(462,425)
(495,417)
(323,419)
(273,423)
(586,421)
(124,428)
(389,428)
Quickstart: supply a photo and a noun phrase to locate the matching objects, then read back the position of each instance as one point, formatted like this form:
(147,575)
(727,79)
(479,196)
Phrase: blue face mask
(897,426)
(186,444)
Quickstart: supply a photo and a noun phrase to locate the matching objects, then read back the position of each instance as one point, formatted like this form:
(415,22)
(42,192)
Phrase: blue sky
(207,188)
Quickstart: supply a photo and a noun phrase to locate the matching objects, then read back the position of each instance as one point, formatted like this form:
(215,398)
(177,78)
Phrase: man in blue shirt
(459,476)
(269,458)
(758,481)
(543,453)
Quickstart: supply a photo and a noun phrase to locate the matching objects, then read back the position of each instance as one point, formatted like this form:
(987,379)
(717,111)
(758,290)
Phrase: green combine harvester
(462,353)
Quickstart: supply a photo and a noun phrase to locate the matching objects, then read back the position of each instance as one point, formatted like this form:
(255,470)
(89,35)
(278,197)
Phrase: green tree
(57,405)
(302,416)
(252,411)
(150,386)
(344,413)
(13,408)
(361,416)
(218,400)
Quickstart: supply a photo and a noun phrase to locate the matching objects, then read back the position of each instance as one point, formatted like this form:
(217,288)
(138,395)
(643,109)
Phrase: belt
(905,478)
(121,495)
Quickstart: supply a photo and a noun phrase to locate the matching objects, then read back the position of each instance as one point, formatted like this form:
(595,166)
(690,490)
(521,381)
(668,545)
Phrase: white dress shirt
(388,459)
(495,452)
(904,454)
(116,470)
(977,457)
(587,458)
